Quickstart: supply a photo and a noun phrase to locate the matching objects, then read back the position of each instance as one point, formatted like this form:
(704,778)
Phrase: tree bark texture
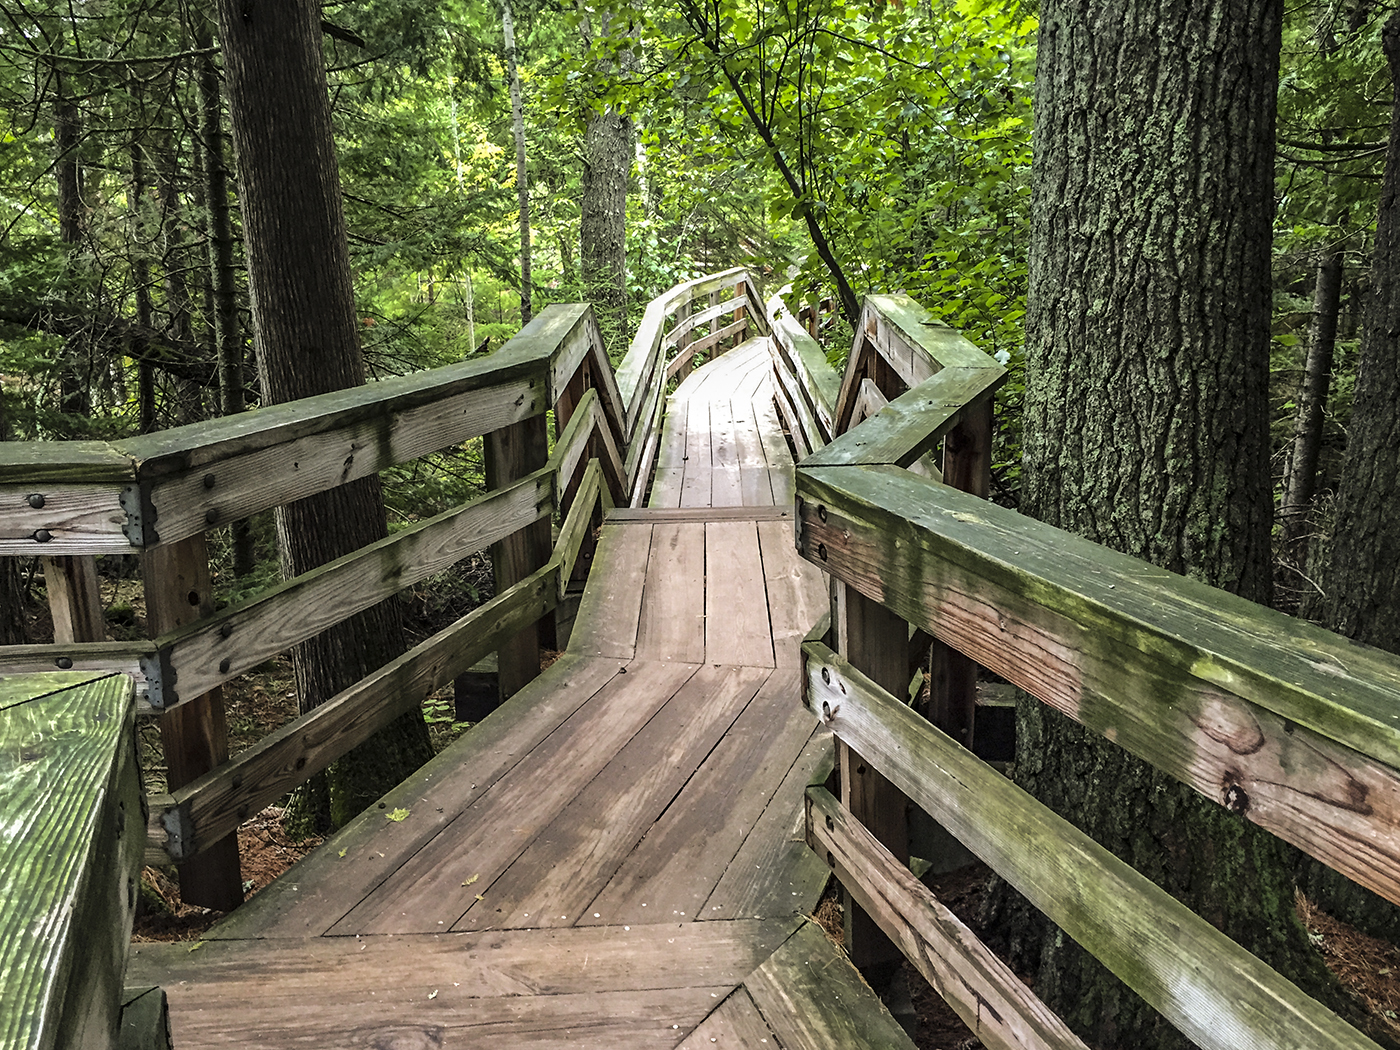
(12,603)
(1360,566)
(607,144)
(1146,428)
(304,324)
(522,184)
(74,376)
(1300,482)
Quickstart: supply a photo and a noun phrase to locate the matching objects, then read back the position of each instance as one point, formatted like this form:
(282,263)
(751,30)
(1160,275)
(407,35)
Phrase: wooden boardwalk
(614,858)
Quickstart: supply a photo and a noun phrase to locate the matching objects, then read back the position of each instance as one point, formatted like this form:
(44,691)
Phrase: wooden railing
(156,495)
(1282,723)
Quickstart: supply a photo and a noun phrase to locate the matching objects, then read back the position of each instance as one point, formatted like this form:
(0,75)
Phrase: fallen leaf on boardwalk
(344,851)
(396,815)
(196,946)
(432,994)
(481,896)
(472,879)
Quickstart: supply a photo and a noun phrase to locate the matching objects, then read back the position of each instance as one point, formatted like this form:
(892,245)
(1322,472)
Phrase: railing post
(967,465)
(511,453)
(194,735)
(716,323)
(741,314)
(683,313)
(75,599)
(875,641)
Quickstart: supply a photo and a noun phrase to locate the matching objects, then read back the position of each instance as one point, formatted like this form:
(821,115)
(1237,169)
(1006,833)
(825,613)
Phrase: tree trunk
(1146,428)
(522,185)
(12,603)
(304,327)
(74,396)
(603,211)
(228,338)
(1300,482)
(1360,567)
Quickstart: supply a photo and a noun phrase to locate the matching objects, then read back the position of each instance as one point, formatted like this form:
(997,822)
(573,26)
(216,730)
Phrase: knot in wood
(1236,799)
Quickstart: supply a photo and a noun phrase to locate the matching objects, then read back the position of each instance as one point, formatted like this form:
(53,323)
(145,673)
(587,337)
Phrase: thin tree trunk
(522,184)
(603,209)
(1300,483)
(74,397)
(228,337)
(141,274)
(305,332)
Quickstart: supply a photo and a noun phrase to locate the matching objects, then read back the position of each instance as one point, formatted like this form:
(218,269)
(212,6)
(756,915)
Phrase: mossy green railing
(1284,724)
(157,495)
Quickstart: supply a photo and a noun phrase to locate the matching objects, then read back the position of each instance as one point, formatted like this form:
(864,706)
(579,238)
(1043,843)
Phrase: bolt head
(208,481)
(42,536)
(64,662)
(36,501)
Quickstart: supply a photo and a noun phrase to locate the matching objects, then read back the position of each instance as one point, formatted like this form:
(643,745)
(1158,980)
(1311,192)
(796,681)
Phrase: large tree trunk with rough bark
(1360,565)
(304,325)
(1146,428)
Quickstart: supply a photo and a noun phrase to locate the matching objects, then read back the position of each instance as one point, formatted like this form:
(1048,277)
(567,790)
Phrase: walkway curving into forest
(614,858)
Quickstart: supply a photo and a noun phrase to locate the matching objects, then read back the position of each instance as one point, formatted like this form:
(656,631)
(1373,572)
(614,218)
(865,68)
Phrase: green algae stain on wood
(71,839)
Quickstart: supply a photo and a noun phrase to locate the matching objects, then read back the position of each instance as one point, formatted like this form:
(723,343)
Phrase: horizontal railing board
(69,519)
(214,494)
(587,422)
(789,394)
(915,422)
(34,464)
(125,657)
(591,491)
(1215,992)
(699,317)
(730,331)
(1295,727)
(202,812)
(209,652)
(991,1000)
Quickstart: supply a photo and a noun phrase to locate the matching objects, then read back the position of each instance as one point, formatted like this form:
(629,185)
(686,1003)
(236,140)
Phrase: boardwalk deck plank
(611,609)
(695,487)
(735,1024)
(430,890)
(691,846)
(813,998)
(324,886)
(573,856)
(726,488)
(797,594)
(670,460)
(673,599)
(736,598)
(774,873)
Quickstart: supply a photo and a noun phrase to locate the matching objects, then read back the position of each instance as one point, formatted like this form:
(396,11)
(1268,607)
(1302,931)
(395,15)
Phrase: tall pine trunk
(522,184)
(1146,428)
(304,327)
(1300,480)
(603,211)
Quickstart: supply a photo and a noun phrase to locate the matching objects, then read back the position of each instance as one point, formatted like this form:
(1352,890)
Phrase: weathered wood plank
(215,649)
(695,485)
(75,598)
(915,422)
(991,1000)
(609,615)
(755,490)
(431,887)
(106,657)
(1210,988)
(325,885)
(27,467)
(775,450)
(672,623)
(145,1020)
(797,592)
(574,854)
(774,873)
(812,997)
(198,813)
(736,599)
(677,866)
(69,519)
(1294,727)
(735,1024)
(471,966)
(670,457)
(70,850)
(794,404)
(656,515)
(808,360)
(592,496)
(726,487)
